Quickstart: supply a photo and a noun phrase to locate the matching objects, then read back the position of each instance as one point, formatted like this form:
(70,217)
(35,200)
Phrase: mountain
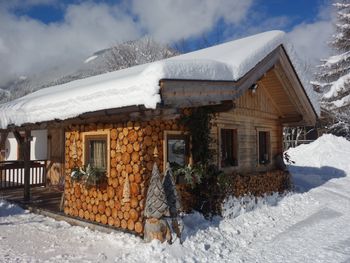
(121,56)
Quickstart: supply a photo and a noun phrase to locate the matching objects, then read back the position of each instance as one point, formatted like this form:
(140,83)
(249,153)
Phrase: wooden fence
(12,174)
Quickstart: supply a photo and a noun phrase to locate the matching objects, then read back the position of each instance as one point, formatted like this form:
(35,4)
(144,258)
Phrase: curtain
(98,153)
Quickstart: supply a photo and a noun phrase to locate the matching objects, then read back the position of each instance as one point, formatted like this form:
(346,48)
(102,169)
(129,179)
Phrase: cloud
(28,45)
(20,4)
(311,40)
(170,21)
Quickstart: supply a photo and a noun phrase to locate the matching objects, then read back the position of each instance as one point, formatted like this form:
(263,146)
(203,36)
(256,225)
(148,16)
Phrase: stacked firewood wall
(120,201)
(258,184)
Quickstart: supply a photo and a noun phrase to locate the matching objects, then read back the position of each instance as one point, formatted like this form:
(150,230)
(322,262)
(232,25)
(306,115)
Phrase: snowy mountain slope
(307,226)
(120,56)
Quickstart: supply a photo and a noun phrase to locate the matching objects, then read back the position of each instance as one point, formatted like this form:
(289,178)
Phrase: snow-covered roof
(139,85)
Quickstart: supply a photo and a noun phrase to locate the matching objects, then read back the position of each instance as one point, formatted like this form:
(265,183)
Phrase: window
(229,147)
(96,151)
(264,147)
(176,148)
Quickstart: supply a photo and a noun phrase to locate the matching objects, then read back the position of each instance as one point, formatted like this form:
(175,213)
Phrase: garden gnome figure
(156,207)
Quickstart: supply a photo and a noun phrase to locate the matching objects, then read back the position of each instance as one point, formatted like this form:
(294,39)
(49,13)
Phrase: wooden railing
(12,174)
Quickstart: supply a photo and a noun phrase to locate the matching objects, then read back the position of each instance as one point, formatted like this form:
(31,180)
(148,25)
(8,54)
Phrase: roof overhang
(193,93)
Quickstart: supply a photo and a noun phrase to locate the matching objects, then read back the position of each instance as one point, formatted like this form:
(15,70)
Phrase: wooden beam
(24,144)
(3,137)
(292,119)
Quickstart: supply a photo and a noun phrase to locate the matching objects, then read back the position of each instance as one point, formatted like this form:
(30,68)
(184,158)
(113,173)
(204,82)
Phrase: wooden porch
(43,198)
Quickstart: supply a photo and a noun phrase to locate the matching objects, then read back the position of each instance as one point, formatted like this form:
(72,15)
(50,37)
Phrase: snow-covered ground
(311,225)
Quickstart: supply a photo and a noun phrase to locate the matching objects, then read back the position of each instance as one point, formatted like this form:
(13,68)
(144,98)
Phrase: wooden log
(125,131)
(148,130)
(138,227)
(134,202)
(128,168)
(98,218)
(138,178)
(114,134)
(131,177)
(124,223)
(135,168)
(134,189)
(92,217)
(117,204)
(89,207)
(117,222)
(108,211)
(131,225)
(113,172)
(136,146)
(147,140)
(104,219)
(125,141)
(113,144)
(127,207)
(129,148)
(110,221)
(87,215)
(75,212)
(111,203)
(126,215)
(126,158)
(79,204)
(115,183)
(110,192)
(114,212)
(81,213)
(132,136)
(120,215)
(94,209)
(134,215)
(101,207)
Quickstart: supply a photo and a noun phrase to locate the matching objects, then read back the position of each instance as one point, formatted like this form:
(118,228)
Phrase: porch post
(3,137)
(24,144)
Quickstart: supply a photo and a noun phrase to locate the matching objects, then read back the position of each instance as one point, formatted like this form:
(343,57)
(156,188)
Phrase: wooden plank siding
(253,112)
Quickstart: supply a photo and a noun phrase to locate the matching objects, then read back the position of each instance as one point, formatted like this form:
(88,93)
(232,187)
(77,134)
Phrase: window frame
(268,147)
(235,149)
(87,136)
(176,134)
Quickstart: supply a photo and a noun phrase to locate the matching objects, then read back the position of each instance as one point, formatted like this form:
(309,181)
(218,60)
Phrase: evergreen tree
(333,77)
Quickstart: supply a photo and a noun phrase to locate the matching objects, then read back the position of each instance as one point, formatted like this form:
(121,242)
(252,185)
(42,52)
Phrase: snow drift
(312,226)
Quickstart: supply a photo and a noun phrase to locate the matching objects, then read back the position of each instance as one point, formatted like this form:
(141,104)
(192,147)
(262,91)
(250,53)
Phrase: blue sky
(39,34)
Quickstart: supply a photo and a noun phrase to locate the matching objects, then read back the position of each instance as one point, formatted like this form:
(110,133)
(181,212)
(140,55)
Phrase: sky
(37,35)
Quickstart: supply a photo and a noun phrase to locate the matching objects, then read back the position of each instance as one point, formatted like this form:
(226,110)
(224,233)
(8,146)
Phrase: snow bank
(139,85)
(320,161)
(8,209)
(301,227)
(235,206)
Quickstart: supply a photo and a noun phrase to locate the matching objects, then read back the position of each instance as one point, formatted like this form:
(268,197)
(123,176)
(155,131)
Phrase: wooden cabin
(125,141)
